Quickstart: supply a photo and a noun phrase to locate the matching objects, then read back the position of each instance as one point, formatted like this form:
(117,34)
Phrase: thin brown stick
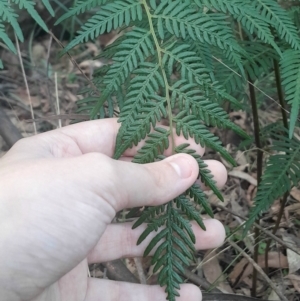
(259,270)
(26,83)
(269,233)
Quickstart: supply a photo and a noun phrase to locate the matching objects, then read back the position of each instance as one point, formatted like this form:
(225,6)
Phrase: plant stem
(167,87)
(258,172)
(280,94)
(285,123)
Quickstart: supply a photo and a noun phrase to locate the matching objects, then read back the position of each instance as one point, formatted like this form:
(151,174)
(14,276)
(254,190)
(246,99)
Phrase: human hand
(59,192)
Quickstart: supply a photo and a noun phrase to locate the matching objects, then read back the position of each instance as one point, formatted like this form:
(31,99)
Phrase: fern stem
(285,123)
(258,172)
(279,217)
(280,94)
(167,87)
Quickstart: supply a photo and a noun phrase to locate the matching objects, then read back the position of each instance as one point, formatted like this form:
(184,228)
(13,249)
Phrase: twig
(227,297)
(285,123)
(57,99)
(258,173)
(202,283)
(48,79)
(140,270)
(21,105)
(270,234)
(25,81)
(259,269)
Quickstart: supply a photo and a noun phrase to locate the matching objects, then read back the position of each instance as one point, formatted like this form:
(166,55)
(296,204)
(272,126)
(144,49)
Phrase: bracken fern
(179,61)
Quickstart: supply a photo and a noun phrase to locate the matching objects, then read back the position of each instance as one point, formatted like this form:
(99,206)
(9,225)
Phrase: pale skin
(59,192)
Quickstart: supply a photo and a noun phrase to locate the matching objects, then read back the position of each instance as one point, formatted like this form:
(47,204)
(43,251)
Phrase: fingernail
(182,166)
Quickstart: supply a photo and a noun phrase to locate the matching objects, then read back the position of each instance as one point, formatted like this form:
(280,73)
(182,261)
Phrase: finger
(219,172)
(217,169)
(119,240)
(92,136)
(122,291)
(127,185)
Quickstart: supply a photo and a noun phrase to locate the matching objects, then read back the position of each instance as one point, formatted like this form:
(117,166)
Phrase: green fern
(177,62)
(291,81)
(8,15)
(281,174)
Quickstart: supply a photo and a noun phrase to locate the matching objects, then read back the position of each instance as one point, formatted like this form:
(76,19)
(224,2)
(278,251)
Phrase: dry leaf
(295,193)
(295,279)
(213,272)
(244,176)
(293,258)
(244,268)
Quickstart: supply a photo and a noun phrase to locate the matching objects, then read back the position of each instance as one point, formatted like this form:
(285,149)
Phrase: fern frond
(181,20)
(111,16)
(281,174)
(29,6)
(200,198)
(189,98)
(146,81)
(48,7)
(247,15)
(290,66)
(189,210)
(157,142)
(262,59)
(80,7)
(278,18)
(189,126)
(204,173)
(5,38)
(176,246)
(135,49)
(147,116)
(187,62)
(8,15)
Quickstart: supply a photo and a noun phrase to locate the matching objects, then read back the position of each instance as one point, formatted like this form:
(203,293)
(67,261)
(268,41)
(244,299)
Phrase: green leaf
(277,17)
(7,41)
(111,16)
(290,66)
(281,174)
(80,7)
(29,6)
(9,15)
(49,7)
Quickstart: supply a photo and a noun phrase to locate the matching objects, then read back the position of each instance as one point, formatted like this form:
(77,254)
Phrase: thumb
(127,185)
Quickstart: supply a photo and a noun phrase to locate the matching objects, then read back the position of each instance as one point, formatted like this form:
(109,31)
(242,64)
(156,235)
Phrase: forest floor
(52,80)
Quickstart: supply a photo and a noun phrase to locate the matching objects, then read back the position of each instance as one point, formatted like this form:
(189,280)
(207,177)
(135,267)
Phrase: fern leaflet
(290,65)
(282,172)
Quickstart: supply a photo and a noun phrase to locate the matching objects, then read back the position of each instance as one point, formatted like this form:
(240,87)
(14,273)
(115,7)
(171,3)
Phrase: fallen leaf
(244,268)
(244,176)
(295,279)
(292,257)
(295,193)
(213,272)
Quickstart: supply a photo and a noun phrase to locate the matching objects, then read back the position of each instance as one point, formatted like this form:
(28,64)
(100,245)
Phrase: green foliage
(9,16)
(177,62)
(281,174)
(290,65)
